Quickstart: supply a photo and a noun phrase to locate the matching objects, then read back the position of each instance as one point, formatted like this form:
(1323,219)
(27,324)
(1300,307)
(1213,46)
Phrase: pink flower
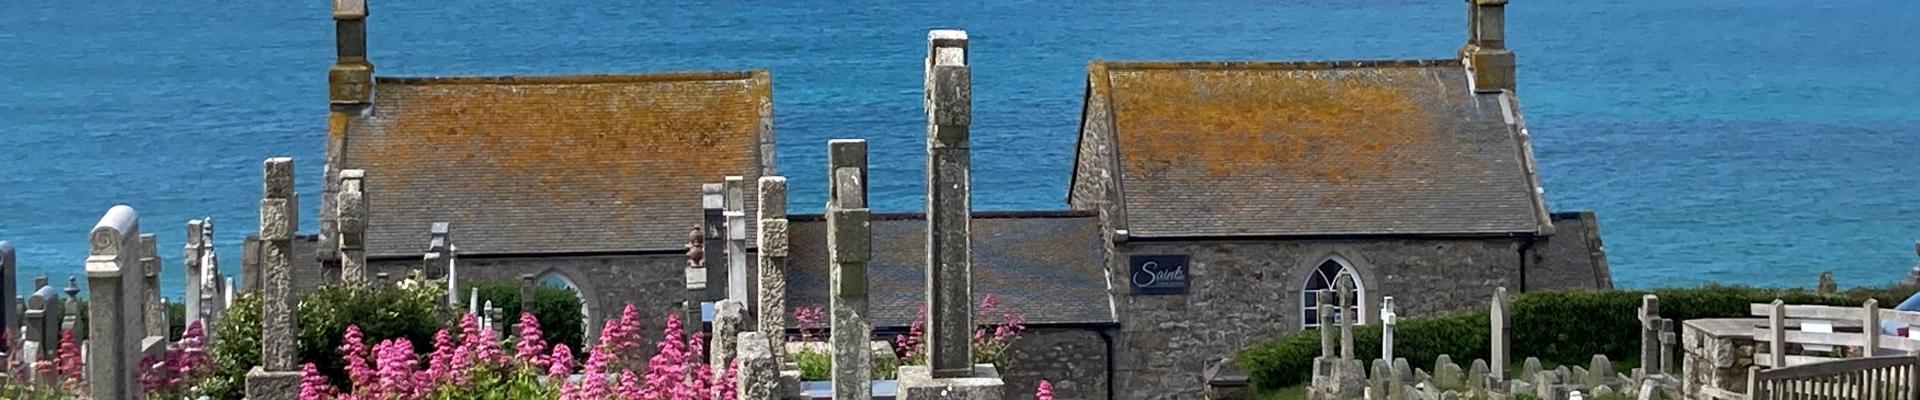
(562,362)
(313,385)
(532,348)
(353,349)
(72,367)
(1045,392)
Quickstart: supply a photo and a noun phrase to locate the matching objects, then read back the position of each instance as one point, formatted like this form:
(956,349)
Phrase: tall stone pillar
(351,220)
(190,259)
(772,242)
(849,247)
(1490,63)
(276,377)
(1650,335)
(113,272)
(527,286)
(1502,349)
(440,258)
(153,306)
(950,373)
(949,205)
(736,213)
(349,94)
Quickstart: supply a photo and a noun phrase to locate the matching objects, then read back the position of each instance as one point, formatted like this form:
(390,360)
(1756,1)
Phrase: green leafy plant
(557,308)
(409,310)
(1608,324)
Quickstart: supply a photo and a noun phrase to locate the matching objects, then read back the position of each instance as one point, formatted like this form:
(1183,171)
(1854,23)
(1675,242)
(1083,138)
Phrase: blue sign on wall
(1165,274)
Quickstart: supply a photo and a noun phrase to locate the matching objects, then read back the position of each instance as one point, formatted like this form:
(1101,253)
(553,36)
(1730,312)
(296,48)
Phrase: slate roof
(567,164)
(1047,266)
(1207,149)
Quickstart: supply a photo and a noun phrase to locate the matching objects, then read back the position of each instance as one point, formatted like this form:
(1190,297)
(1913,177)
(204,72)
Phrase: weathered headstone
(1667,340)
(772,242)
(1501,349)
(1477,374)
(1446,373)
(1579,376)
(1323,308)
(276,377)
(1599,369)
(850,243)
(527,285)
(351,224)
(115,309)
(155,308)
(1827,286)
(1529,367)
(727,323)
(713,203)
(1602,391)
(439,259)
(759,376)
(1380,378)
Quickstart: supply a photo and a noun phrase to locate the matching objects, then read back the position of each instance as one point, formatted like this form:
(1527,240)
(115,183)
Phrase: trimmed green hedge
(557,309)
(1566,327)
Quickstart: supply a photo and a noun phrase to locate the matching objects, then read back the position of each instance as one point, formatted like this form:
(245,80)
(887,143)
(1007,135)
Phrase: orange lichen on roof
(542,155)
(1227,122)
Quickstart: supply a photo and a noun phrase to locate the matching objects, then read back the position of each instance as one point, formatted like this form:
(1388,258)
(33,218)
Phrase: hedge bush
(1566,327)
(383,312)
(557,309)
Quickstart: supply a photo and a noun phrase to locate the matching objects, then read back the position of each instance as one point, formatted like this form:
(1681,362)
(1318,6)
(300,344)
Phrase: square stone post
(950,372)
(772,242)
(736,213)
(1501,348)
(440,257)
(713,203)
(154,306)
(351,220)
(949,205)
(1650,335)
(276,377)
(250,264)
(850,244)
(527,286)
(114,307)
(190,258)
(9,304)
(696,279)
(759,375)
(1486,54)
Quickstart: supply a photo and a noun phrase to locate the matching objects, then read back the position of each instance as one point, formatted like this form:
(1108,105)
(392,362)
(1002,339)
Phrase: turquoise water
(1753,142)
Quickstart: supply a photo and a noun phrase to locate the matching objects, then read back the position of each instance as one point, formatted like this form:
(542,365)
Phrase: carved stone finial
(695,247)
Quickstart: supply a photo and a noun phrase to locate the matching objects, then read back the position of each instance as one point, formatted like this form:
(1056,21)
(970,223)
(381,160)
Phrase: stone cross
(154,306)
(949,206)
(190,257)
(772,242)
(9,303)
(736,213)
(115,309)
(276,377)
(440,251)
(1347,315)
(1502,349)
(1387,320)
(850,243)
(1649,334)
(351,224)
(1667,340)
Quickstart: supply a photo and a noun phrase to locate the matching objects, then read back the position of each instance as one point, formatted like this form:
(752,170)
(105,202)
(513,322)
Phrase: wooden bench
(1837,328)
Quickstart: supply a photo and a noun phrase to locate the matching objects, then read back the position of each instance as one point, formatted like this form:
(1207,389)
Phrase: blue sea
(1737,141)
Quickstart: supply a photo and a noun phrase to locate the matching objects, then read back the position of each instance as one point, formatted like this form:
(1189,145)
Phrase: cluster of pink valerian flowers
(811,320)
(472,361)
(988,342)
(185,363)
(1045,392)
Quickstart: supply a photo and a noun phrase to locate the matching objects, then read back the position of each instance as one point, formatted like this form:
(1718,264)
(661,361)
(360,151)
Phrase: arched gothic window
(1322,279)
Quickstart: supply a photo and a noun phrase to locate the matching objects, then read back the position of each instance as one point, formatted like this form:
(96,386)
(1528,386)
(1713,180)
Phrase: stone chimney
(350,79)
(1488,60)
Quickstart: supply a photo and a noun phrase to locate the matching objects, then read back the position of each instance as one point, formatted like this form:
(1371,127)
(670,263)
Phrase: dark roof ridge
(915,215)
(571,79)
(1281,65)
